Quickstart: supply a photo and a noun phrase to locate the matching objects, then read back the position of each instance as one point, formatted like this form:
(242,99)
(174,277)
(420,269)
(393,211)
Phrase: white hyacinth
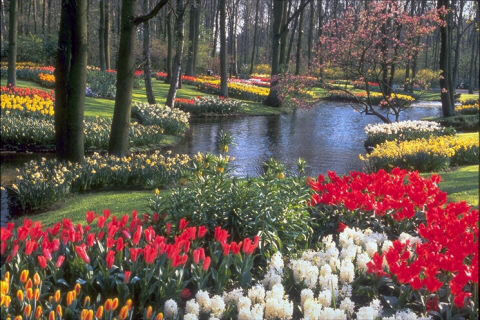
(257,294)
(217,305)
(203,300)
(325,298)
(190,316)
(192,307)
(170,309)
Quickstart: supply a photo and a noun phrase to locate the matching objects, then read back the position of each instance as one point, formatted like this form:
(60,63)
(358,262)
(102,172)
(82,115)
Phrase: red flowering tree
(367,44)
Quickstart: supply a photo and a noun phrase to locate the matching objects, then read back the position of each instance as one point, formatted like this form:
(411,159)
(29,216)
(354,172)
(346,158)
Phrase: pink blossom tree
(367,44)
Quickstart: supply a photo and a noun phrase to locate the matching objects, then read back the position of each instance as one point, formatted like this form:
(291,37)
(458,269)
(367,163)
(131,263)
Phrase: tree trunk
(290,44)
(471,70)
(193,35)
(252,62)
(283,39)
(298,60)
(234,39)
(273,98)
(12,43)
(101,35)
(169,47)
(310,35)
(457,44)
(49,19)
(215,36)
(34,16)
(118,144)
(106,40)
(223,49)
(146,56)
(70,76)
(177,63)
(445,84)
(44,17)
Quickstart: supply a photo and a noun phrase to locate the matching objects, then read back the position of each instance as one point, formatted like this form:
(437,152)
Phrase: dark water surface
(328,137)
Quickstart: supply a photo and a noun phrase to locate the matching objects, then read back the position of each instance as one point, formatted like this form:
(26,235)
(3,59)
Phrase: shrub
(273,208)
(432,154)
(425,78)
(263,68)
(403,130)
(461,122)
(172,120)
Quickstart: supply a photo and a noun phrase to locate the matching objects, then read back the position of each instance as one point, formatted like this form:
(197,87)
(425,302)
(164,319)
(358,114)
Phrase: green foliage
(273,208)
(103,84)
(262,68)
(462,122)
(34,48)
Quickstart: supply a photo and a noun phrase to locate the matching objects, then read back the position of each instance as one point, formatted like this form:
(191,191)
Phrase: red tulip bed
(386,245)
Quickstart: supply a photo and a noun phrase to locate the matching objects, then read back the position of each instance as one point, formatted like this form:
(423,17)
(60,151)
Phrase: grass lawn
(104,107)
(119,203)
(461,184)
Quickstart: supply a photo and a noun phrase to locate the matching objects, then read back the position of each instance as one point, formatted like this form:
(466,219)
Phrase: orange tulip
(59,311)
(108,305)
(29,284)
(84,314)
(159,316)
(4,287)
(51,315)
(70,298)
(129,304)
(6,301)
(24,276)
(78,287)
(123,312)
(27,311)
(86,301)
(20,295)
(115,304)
(99,313)
(38,312)
(36,279)
(57,296)
(36,294)
(149,312)
(18,318)
(7,276)
(29,294)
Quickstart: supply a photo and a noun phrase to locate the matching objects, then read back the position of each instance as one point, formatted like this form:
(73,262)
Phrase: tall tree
(223,48)
(177,61)
(70,80)
(146,56)
(12,42)
(445,66)
(101,35)
(118,144)
(298,60)
(106,39)
(252,61)
(193,35)
(310,35)
(169,46)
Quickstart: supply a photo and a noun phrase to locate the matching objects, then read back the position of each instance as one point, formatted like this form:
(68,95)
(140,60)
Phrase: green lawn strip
(460,183)
(104,107)
(74,208)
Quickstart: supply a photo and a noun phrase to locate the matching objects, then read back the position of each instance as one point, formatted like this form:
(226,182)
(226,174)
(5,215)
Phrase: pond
(329,137)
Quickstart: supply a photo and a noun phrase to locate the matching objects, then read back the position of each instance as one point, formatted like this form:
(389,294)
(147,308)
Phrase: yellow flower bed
(396,96)
(27,104)
(468,108)
(261,91)
(425,154)
(50,78)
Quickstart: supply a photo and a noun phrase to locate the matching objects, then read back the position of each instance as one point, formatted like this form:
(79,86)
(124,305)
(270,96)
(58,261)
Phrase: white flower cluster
(398,127)
(215,306)
(406,314)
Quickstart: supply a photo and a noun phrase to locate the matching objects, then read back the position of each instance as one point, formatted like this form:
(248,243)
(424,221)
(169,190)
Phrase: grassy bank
(104,107)
(119,202)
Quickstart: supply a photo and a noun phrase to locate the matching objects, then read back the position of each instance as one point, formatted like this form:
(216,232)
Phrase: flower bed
(46,80)
(394,249)
(425,154)
(172,120)
(21,131)
(468,108)
(403,130)
(376,98)
(27,100)
(237,90)
(208,105)
(103,263)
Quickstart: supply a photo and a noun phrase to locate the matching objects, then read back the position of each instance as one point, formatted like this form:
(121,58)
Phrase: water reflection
(330,137)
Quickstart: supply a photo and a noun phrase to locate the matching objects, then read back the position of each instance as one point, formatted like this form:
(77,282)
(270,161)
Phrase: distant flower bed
(172,120)
(376,98)
(468,108)
(361,85)
(237,90)
(425,154)
(468,100)
(261,82)
(209,104)
(46,80)
(404,130)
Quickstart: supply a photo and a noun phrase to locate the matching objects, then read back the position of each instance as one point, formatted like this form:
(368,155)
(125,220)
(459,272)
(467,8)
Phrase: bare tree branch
(153,13)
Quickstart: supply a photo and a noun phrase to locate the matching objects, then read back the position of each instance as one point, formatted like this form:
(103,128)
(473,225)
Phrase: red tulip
(42,261)
(126,277)
(206,263)
(82,253)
